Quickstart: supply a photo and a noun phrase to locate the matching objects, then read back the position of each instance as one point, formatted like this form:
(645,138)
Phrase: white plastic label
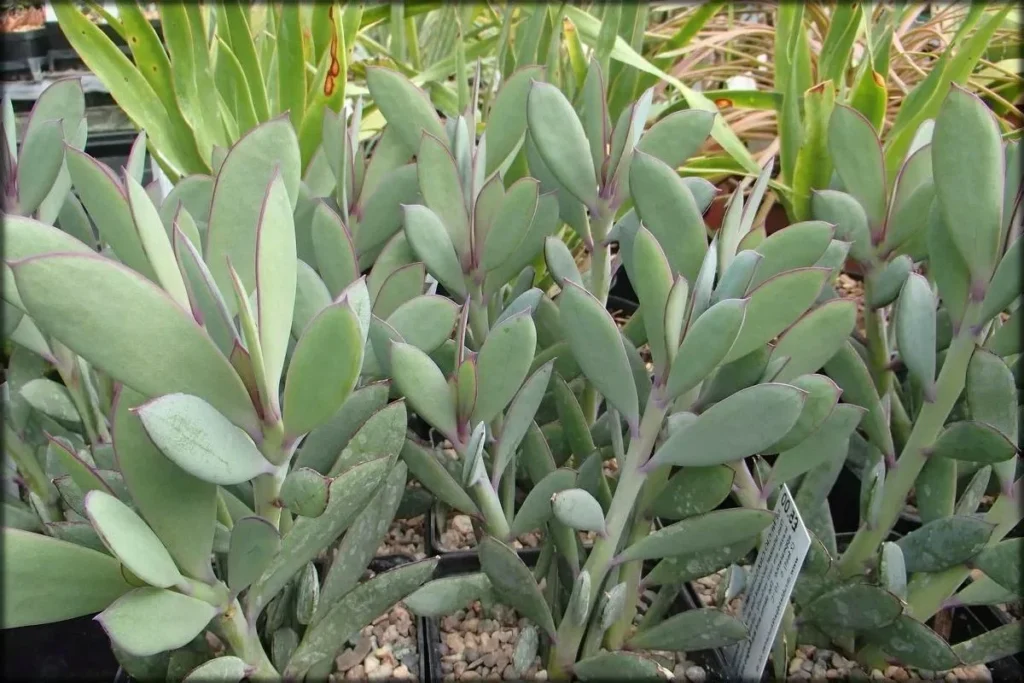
(769,587)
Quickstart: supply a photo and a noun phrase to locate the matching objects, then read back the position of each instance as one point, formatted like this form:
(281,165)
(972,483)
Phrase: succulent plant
(953,208)
(203,364)
(708,313)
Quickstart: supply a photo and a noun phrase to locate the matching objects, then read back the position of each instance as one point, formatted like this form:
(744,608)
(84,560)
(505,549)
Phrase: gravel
(384,650)
(458,535)
(405,537)
(850,288)
(478,643)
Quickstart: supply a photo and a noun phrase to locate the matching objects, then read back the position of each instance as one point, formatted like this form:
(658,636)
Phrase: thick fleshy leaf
(693,491)
(560,261)
(575,431)
(914,644)
(621,666)
(1002,563)
(149,620)
(598,348)
(1000,642)
(967,163)
(50,398)
(694,565)
(354,611)
(155,242)
(991,393)
(178,507)
(857,155)
(972,494)
(677,137)
(593,111)
(382,209)
(47,580)
(536,508)
(320,449)
(201,441)
(227,669)
(855,606)
(578,509)
(406,108)
(651,277)
(514,584)
(1005,285)
(335,252)
(239,195)
(935,489)
(401,286)
(502,365)
(943,543)
(805,444)
(848,370)
(983,590)
(706,344)
(813,339)
(442,192)
(381,436)
(131,540)
(698,629)
(915,332)
(436,479)
(323,369)
(675,315)
(775,305)
(846,213)
(520,414)
(207,302)
(506,121)
(434,247)
(133,331)
(701,533)
(769,411)
(885,283)
(361,541)
(795,246)
(669,211)
(511,223)
(422,383)
(736,278)
(973,442)
(254,542)
(305,492)
(448,595)
(1007,340)
(561,141)
(309,535)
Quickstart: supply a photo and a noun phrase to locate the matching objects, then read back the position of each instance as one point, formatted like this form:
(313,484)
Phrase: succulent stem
(487,500)
(878,346)
(266,489)
(597,283)
(631,480)
(926,429)
(630,574)
(478,321)
(659,606)
(244,642)
(748,494)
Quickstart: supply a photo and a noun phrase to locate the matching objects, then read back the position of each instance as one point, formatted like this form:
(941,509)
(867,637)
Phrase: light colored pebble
(696,674)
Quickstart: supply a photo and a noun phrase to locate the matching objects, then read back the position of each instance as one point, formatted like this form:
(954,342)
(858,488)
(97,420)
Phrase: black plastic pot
(461,561)
(113,148)
(73,650)
(844,503)
(19,48)
(712,661)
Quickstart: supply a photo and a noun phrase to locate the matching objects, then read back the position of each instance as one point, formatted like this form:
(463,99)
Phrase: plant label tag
(771,582)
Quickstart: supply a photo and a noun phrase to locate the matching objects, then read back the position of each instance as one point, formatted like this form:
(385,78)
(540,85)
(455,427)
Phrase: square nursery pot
(406,539)
(22,52)
(455,560)
(488,639)
(73,650)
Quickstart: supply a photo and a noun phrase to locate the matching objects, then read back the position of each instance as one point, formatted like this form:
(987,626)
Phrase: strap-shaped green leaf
(321,447)
(536,508)
(769,411)
(511,223)
(915,332)
(848,370)
(847,214)
(667,208)
(520,414)
(675,138)
(693,491)
(857,607)
(822,396)
(706,344)
(435,478)
(694,565)
(514,584)
(433,245)
(883,284)
(935,488)
(967,163)
(651,277)
(578,509)
(593,112)
(381,436)
(992,393)
(227,669)
(598,348)
(311,297)
(254,542)
(335,252)
(701,533)
(616,666)
(1004,288)
(561,141)
(560,261)
(795,246)
(1002,563)
(442,192)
